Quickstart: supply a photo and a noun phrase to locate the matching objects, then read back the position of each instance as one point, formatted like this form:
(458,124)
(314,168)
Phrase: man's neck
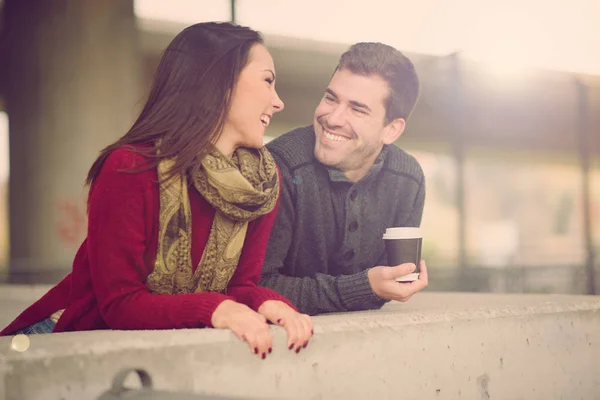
(363,169)
(357,174)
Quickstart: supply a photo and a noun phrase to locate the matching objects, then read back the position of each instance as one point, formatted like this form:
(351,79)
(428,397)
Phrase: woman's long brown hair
(190,97)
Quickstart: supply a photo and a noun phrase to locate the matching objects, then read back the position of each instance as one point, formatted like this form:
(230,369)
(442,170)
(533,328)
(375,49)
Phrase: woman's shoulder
(130,165)
(125,169)
(128,157)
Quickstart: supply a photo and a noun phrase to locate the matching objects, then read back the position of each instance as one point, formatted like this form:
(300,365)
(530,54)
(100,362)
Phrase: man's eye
(269,80)
(360,111)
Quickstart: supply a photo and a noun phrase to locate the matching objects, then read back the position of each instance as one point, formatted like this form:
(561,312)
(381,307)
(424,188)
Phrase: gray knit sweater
(328,230)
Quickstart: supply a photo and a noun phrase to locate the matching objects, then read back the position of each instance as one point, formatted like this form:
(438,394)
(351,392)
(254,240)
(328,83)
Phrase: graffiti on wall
(72,222)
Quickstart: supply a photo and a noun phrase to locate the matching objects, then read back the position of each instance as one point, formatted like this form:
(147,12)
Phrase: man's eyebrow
(354,103)
(331,92)
(360,105)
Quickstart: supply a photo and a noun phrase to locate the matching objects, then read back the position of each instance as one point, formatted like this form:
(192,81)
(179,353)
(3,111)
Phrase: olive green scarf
(241,188)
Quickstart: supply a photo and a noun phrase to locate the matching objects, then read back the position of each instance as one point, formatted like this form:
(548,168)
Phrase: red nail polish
(256,350)
(270,350)
(305,344)
(264,356)
(312,332)
(291,345)
(279,320)
(298,349)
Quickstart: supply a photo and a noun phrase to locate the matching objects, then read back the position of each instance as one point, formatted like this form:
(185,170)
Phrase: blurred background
(507,128)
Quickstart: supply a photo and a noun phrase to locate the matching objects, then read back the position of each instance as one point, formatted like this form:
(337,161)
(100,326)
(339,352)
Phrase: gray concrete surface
(436,346)
(16,298)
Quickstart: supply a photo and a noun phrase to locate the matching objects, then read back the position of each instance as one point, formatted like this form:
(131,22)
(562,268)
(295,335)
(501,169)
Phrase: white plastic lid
(403,233)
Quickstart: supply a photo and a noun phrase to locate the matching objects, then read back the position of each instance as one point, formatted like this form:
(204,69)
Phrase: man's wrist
(371,277)
(357,293)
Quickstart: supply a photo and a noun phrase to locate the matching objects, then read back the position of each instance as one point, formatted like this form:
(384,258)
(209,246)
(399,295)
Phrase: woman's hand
(246,324)
(299,327)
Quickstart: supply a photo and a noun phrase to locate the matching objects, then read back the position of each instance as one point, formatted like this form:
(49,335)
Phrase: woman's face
(253,103)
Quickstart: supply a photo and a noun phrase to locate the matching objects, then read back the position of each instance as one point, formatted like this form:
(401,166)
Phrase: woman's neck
(225,147)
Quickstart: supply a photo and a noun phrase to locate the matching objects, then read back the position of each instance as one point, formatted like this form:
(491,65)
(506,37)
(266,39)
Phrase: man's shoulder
(399,162)
(294,148)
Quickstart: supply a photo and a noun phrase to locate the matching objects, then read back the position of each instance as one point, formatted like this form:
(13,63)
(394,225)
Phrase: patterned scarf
(240,189)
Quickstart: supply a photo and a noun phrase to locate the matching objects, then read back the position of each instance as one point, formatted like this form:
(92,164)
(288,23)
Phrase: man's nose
(337,117)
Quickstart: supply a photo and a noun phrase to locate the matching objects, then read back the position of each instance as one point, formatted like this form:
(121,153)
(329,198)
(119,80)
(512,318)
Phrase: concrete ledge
(437,346)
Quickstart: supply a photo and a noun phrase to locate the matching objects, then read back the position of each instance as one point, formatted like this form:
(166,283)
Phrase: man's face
(350,125)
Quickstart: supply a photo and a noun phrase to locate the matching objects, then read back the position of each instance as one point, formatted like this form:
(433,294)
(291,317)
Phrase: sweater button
(353,226)
(349,255)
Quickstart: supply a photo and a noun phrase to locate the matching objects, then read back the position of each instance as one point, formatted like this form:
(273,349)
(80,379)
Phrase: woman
(181,207)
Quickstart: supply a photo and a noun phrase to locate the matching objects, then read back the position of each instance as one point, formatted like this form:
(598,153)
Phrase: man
(343,184)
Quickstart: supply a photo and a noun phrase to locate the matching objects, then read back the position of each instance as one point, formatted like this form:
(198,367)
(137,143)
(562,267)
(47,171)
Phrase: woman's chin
(258,144)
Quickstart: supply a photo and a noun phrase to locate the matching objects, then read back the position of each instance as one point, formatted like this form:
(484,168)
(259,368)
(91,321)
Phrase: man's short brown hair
(392,66)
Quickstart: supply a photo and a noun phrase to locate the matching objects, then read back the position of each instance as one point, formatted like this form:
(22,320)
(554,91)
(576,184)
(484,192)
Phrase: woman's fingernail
(291,345)
(298,349)
(256,350)
(305,344)
(312,332)
(264,356)
(279,320)
(270,350)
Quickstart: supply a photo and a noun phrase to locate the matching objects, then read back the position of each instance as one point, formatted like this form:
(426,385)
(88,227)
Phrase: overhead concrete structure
(537,111)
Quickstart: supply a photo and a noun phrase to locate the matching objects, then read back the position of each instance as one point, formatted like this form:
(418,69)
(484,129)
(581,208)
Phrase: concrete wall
(72,88)
(437,346)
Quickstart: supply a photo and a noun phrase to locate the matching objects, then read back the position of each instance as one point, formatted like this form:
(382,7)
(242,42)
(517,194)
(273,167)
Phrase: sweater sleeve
(119,231)
(244,283)
(316,294)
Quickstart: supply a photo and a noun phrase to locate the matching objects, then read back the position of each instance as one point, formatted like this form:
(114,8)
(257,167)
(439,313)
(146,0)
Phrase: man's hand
(299,327)
(383,281)
(246,324)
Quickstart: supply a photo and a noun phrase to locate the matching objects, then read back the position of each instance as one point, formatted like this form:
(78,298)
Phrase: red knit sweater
(106,288)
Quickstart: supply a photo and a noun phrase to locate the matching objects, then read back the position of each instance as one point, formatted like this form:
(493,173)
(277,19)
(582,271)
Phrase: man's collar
(335,175)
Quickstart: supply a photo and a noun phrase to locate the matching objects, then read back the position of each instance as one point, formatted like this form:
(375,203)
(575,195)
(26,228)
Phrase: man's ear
(393,130)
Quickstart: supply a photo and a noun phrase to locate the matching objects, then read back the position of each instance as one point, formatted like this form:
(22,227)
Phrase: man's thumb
(404,269)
